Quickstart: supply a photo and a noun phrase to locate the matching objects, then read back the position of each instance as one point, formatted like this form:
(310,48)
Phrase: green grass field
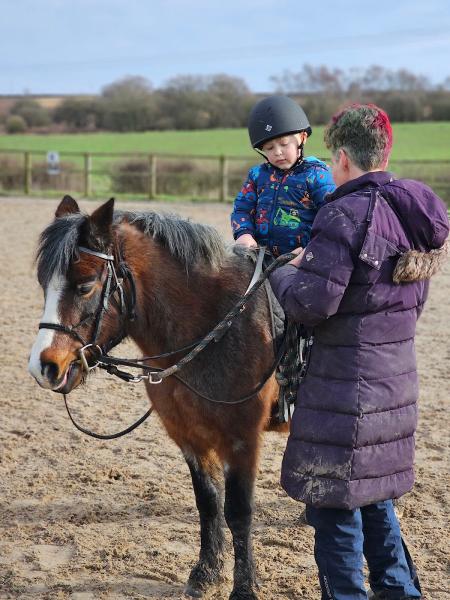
(426,143)
(412,141)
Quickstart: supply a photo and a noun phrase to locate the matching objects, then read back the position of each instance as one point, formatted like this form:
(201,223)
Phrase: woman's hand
(247,240)
(296,261)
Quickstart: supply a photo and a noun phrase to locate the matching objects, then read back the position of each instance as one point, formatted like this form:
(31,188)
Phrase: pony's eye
(83,289)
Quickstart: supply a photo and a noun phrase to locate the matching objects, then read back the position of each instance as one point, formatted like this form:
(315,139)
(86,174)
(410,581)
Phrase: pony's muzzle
(55,370)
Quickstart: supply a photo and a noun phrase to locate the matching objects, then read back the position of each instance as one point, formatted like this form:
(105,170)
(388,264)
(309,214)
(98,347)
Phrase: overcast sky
(65,46)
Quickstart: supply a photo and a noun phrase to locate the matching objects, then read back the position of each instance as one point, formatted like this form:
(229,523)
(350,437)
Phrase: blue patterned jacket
(278,207)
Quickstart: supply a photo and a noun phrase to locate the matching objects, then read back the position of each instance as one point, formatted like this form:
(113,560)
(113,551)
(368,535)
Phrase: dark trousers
(343,537)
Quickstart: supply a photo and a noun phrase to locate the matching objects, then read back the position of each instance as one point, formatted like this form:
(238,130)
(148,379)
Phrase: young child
(359,287)
(280,198)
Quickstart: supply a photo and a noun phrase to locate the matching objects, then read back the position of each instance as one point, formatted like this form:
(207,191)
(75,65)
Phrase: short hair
(364,132)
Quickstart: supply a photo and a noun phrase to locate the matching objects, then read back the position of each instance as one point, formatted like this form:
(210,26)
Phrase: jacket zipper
(271,220)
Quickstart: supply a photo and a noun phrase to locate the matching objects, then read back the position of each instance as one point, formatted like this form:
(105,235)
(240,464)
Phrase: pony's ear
(100,224)
(67,206)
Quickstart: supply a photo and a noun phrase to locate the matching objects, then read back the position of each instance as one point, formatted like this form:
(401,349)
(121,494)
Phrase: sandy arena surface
(82,519)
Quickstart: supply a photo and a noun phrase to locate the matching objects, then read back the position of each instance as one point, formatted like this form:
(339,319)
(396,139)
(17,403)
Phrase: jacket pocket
(376,249)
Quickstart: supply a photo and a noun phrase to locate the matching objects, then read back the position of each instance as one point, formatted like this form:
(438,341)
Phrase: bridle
(154,375)
(113,283)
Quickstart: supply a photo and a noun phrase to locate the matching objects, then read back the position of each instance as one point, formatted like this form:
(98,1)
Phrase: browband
(94,253)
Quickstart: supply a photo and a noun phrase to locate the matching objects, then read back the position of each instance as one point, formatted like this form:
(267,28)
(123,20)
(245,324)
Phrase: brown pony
(182,281)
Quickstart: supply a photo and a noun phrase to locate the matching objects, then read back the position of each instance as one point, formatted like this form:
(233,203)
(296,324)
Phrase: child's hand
(247,240)
(296,261)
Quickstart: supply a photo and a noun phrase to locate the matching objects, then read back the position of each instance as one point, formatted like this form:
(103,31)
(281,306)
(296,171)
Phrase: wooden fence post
(87,174)
(223,166)
(152,177)
(27,173)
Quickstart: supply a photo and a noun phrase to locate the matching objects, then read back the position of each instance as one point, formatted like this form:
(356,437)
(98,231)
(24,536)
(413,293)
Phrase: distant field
(412,141)
(195,178)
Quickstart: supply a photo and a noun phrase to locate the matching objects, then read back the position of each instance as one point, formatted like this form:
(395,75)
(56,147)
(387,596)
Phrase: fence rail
(159,175)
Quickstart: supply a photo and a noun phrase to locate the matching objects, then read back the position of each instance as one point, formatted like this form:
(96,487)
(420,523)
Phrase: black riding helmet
(275,116)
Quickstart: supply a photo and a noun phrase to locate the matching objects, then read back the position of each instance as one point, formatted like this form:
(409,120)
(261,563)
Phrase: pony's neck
(174,307)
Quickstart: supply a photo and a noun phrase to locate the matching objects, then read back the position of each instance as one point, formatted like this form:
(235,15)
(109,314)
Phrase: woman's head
(364,133)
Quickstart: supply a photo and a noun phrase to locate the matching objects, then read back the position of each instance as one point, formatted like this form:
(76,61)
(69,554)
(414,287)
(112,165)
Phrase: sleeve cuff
(240,232)
(279,274)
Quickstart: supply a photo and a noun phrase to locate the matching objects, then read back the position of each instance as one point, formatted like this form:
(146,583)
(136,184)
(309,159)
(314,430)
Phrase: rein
(156,375)
(110,436)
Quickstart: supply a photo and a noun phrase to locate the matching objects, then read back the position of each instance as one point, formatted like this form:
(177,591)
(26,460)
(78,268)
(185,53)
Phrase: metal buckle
(83,360)
(151,380)
(136,379)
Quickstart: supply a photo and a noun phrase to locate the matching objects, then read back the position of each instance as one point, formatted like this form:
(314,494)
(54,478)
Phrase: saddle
(289,343)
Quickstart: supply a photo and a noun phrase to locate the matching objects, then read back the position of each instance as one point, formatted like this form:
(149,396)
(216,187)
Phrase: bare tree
(128,105)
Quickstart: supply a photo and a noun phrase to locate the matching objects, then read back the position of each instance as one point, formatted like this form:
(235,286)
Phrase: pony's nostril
(50,371)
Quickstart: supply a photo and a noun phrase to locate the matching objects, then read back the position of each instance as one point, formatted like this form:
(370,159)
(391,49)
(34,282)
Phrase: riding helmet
(275,116)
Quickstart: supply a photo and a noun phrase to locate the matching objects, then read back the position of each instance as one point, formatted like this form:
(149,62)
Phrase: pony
(181,280)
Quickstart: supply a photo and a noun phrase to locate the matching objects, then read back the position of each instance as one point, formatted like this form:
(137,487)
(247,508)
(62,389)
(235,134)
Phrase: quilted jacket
(278,207)
(360,287)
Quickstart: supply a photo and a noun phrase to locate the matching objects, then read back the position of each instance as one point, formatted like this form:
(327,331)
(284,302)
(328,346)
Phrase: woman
(359,286)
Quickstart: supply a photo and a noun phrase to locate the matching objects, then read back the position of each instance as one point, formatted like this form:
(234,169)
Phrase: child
(280,198)
(359,286)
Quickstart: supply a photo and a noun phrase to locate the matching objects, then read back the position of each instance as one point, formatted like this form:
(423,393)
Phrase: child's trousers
(342,537)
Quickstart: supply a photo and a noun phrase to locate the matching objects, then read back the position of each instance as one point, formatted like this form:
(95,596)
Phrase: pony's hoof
(201,578)
(192,592)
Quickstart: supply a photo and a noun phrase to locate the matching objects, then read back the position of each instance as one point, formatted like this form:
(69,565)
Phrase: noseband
(112,284)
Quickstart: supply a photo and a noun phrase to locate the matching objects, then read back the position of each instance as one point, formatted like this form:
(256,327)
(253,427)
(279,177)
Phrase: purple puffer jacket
(352,432)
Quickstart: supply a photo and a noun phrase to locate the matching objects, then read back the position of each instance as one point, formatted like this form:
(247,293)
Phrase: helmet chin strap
(300,155)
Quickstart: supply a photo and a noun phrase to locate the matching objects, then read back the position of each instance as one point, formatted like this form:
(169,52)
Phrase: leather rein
(153,375)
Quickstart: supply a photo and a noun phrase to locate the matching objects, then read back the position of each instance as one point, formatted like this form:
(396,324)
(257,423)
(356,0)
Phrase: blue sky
(65,46)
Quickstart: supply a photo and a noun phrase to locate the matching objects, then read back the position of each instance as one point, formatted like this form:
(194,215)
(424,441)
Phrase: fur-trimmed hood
(421,212)
(422,217)
(416,266)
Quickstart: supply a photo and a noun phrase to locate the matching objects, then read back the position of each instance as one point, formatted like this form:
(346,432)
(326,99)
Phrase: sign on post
(53,162)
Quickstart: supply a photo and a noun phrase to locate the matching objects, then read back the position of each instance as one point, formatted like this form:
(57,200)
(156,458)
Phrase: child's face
(283,152)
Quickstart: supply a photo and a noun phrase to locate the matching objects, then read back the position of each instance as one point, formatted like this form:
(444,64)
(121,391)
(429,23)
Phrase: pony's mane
(188,242)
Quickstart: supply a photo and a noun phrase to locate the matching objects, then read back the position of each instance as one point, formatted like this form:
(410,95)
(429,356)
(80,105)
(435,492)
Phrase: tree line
(222,101)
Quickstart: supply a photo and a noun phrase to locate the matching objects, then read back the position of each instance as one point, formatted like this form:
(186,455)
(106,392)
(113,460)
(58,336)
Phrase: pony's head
(84,300)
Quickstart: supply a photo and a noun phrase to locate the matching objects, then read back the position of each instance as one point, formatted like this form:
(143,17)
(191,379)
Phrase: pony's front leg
(238,514)
(209,566)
